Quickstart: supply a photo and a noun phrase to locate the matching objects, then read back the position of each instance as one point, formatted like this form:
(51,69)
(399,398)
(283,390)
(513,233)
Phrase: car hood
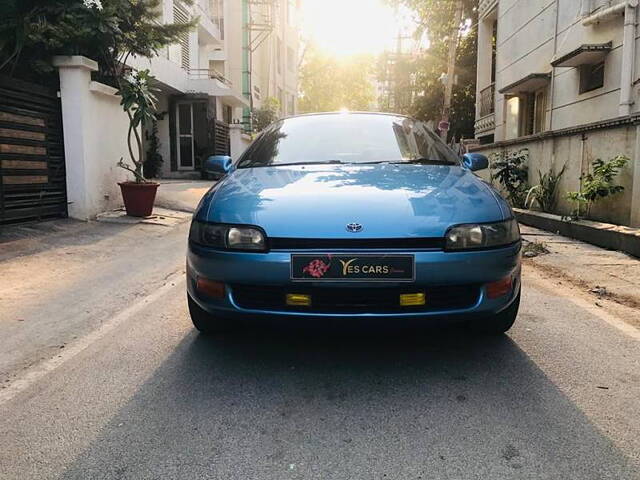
(389,201)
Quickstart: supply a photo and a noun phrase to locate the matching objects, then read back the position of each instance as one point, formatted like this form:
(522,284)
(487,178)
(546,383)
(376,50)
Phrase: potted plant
(139,102)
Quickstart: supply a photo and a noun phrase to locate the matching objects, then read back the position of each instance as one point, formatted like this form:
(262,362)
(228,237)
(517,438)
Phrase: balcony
(486,101)
(485,7)
(485,125)
(208,73)
(486,121)
(213,83)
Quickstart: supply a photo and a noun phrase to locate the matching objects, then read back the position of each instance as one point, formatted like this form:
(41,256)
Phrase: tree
(108,31)
(266,114)
(428,103)
(329,84)
(139,103)
(436,18)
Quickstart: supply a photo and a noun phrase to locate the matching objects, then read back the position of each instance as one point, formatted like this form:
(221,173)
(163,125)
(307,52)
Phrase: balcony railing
(208,73)
(487,100)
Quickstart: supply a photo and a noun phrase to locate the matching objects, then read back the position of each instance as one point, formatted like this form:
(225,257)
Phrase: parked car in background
(353,217)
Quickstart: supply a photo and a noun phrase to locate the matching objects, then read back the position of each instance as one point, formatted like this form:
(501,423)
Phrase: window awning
(528,84)
(589,54)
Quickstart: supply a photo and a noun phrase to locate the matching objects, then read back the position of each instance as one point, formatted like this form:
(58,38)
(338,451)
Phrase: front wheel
(204,321)
(500,323)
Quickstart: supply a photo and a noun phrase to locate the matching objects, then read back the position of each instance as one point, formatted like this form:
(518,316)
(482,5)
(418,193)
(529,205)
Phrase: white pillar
(586,8)
(75,78)
(238,141)
(628,58)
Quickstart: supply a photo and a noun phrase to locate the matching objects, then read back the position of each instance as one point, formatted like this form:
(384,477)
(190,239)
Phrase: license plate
(353,268)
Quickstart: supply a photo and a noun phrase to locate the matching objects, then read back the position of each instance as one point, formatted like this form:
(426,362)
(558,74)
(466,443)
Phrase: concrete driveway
(182,195)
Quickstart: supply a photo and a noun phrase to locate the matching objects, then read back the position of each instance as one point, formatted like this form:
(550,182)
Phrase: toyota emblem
(354,227)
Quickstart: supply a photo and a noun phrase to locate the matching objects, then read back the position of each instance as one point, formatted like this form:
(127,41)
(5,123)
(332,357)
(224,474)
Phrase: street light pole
(451,70)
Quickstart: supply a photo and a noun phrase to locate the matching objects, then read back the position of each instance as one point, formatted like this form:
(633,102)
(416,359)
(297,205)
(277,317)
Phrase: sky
(349,27)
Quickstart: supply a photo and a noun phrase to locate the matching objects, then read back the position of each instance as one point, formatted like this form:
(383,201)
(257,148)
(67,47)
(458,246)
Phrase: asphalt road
(144,396)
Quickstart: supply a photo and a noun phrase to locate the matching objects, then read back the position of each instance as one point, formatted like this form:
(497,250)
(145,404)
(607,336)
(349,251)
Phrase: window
(494,51)
(526,114)
(181,15)
(591,77)
(533,110)
(539,111)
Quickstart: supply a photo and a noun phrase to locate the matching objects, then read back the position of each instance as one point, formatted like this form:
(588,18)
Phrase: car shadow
(276,405)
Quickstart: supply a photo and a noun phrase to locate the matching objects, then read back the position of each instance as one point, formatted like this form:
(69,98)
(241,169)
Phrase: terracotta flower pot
(138,198)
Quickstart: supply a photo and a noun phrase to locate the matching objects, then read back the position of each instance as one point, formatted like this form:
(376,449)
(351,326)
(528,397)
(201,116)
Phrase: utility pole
(451,70)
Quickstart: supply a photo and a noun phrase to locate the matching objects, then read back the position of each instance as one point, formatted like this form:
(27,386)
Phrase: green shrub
(544,194)
(597,185)
(511,171)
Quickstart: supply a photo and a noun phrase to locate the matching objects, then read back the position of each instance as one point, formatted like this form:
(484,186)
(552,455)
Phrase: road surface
(105,378)
(147,397)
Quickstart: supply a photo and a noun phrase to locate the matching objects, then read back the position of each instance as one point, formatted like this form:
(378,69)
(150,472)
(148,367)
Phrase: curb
(606,235)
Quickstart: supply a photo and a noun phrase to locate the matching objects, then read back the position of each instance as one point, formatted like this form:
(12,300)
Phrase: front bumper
(433,268)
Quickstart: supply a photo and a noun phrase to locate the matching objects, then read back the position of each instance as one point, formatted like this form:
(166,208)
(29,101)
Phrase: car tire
(204,322)
(500,323)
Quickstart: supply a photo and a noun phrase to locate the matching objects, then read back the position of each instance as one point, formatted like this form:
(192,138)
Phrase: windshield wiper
(426,161)
(323,162)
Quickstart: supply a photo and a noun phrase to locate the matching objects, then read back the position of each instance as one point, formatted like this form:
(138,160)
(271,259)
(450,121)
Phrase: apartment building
(561,78)
(241,53)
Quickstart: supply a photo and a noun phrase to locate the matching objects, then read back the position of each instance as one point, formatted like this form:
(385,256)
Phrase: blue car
(352,218)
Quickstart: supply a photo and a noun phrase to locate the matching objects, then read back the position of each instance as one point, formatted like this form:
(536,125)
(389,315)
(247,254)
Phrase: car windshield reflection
(350,139)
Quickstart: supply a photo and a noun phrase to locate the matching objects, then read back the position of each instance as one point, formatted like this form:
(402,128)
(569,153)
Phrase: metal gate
(32,175)
(221,139)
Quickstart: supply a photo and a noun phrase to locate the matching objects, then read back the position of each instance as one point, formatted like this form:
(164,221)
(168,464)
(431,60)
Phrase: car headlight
(483,235)
(231,237)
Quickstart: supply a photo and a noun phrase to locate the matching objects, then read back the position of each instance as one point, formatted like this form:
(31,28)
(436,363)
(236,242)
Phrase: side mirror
(475,161)
(218,165)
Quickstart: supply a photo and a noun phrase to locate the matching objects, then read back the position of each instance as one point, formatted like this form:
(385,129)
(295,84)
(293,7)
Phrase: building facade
(561,78)
(241,53)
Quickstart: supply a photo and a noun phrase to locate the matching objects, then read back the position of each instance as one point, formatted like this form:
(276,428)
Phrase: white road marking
(35,373)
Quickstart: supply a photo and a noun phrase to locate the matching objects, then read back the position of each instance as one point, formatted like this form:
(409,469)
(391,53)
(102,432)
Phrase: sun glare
(349,27)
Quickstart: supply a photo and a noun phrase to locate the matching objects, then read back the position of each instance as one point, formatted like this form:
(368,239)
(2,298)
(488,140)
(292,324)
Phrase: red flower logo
(317,268)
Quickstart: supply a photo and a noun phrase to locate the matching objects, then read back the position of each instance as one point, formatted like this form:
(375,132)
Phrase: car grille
(355,300)
(356,243)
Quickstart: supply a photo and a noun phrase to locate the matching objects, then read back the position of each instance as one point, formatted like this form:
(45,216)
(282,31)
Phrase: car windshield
(347,139)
